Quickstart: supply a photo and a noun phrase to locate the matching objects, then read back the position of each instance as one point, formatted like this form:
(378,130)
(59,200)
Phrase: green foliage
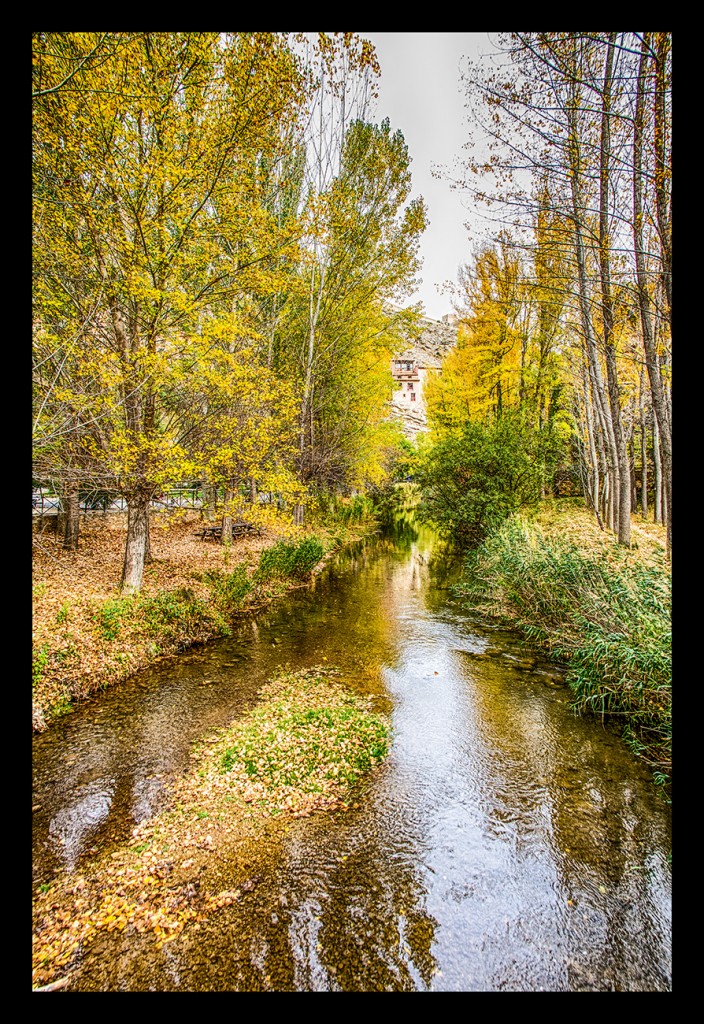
(175,614)
(39,663)
(392,501)
(330,509)
(310,736)
(289,560)
(404,461)
(229,589)
(164,609)
(610,620)
(362,237)
(357,509)
(111,614)
(63,706)
(63,613)
(472,480)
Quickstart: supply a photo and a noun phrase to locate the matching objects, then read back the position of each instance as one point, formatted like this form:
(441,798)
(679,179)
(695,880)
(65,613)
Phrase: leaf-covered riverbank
(86,636)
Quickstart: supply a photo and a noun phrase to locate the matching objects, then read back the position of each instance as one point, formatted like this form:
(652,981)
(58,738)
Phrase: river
(506,844)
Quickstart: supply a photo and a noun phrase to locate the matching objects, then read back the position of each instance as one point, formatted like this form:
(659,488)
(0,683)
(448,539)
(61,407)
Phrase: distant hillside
(433,342)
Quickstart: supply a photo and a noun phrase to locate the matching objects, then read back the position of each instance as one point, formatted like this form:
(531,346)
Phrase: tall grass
(293,561)
(608,618)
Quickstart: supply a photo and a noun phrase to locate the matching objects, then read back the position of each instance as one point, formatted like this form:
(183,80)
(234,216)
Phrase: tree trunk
(578,214)
(657,497)
(644,466)
(606,456)
(135,547)
(209,501)
(651,356)
(624,474)
(226,533)
(663,167)
(148,541)
(61,513)
(593,476)
(69,501)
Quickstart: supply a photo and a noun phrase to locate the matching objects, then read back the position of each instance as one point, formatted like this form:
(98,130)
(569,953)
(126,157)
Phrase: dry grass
(569,519)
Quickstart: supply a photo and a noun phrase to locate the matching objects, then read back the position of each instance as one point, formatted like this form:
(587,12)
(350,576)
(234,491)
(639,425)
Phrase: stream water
(506,844)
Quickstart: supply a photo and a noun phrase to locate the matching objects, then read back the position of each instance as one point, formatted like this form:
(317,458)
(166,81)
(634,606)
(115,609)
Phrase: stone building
(410,370)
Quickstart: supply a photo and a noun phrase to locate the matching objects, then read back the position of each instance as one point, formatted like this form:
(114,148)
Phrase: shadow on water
(505,844)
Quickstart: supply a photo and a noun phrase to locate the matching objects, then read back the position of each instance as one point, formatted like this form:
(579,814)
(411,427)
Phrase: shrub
(289,560)
(111,614)
(229,589)
(473,480)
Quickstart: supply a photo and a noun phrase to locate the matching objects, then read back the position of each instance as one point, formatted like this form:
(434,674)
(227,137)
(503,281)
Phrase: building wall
(425,353)
(410,383)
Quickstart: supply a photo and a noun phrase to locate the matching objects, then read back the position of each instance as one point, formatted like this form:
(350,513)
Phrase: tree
(588,115)
(148,222)
(362,251)
(482,376)
(474,478)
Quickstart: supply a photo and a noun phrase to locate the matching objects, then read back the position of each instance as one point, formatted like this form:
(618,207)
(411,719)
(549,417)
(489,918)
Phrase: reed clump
(602,609)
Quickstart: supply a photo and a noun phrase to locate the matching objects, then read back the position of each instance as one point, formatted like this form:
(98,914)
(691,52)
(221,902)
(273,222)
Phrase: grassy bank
(305,746)
(87,637)
(603,609)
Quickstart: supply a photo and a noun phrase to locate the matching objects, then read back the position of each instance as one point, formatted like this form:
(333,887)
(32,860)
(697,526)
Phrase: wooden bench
(210,531)
(238,530)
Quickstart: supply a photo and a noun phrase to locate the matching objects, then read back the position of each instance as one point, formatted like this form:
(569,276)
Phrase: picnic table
(213,531)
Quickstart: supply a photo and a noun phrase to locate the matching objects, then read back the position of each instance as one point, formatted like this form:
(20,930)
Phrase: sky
(419,91)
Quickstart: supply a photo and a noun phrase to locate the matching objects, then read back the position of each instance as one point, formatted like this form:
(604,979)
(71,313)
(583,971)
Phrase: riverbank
(603,609)
(86,637)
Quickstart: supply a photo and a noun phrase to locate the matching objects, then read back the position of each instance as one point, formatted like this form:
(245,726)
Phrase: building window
(410,387)
(413,396)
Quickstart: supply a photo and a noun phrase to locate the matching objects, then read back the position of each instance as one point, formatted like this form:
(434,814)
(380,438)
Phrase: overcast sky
(420,93)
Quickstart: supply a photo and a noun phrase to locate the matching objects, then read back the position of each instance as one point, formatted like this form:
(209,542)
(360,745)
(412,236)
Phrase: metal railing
(47,503)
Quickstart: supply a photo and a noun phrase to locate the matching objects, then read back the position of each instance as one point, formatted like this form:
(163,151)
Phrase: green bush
(111,615)
(284,560)
(229,589)
(473,480)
